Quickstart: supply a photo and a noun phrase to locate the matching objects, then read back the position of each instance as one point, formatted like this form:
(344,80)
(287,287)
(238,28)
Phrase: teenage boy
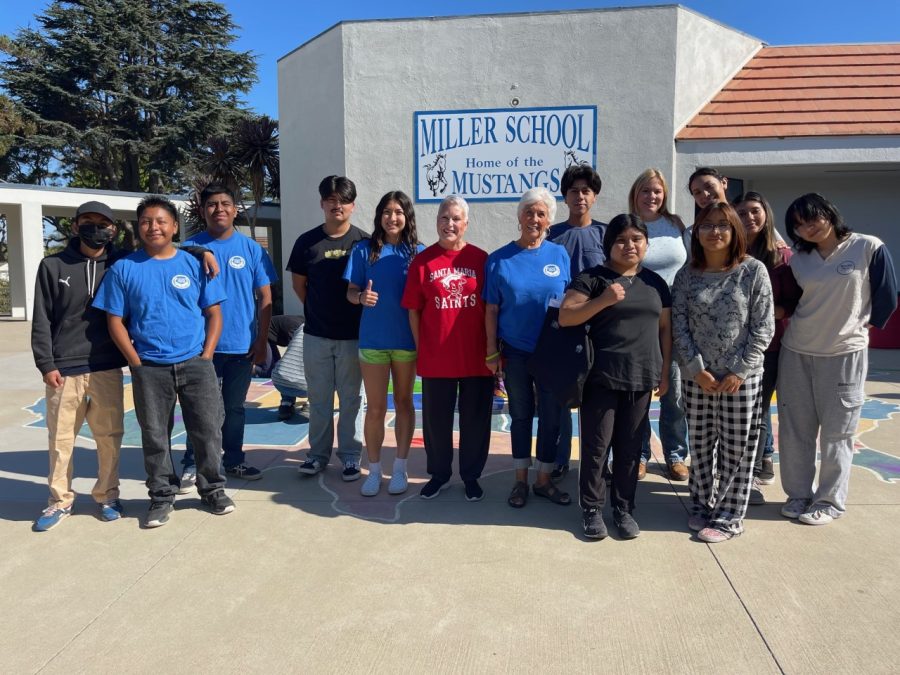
(331,330)
(247,274)
(80,364)
(582,237)
(164,317)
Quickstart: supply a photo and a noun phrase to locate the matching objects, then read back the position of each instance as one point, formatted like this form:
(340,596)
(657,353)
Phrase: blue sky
(272,28)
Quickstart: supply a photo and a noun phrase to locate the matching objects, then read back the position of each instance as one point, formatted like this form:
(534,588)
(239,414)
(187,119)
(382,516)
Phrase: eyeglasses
(706,228)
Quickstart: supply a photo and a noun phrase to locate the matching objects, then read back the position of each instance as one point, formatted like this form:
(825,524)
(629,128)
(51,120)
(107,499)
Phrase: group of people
(712,318)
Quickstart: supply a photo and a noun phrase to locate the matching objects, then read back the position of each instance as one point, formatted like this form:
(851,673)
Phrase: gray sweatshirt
(722,321)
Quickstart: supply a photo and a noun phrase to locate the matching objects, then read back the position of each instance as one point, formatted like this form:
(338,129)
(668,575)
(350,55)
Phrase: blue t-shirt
(522,282)
(584,244)
(386,325)
(244,266)
(161,302)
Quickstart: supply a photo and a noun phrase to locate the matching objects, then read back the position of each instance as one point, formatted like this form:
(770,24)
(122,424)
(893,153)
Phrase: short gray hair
(455,200)
(535,195)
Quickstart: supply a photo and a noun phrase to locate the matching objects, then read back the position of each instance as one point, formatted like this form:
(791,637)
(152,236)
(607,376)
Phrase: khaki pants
(96,397)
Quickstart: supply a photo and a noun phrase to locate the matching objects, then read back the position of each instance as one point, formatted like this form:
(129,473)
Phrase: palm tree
(255,148)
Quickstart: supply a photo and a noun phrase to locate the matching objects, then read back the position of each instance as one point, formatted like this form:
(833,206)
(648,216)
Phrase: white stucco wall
(311,130)
(624,61)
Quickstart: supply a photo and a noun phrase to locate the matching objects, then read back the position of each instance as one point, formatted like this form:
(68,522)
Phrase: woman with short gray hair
(446,314)
(522,278)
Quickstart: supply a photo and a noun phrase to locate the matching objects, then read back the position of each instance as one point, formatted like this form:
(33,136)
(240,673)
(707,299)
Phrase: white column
(25,239)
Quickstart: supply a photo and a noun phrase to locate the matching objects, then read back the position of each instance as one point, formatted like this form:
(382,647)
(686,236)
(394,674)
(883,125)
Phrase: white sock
(399,465)
(375,467)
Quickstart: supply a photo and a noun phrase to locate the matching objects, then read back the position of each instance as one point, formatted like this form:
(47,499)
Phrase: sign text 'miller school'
(497,155)
(570,130)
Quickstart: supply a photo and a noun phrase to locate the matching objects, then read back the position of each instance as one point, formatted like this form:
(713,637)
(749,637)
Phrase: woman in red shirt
(446,313)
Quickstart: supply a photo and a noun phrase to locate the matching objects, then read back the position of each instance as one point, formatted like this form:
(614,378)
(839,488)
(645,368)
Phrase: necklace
(627,279)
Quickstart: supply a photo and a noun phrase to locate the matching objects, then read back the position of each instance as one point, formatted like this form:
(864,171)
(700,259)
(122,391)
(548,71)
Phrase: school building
(488,106)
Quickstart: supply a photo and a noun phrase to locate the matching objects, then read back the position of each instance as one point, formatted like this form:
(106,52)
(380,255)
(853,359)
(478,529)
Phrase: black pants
(476,397)
(616,418)
(769,378)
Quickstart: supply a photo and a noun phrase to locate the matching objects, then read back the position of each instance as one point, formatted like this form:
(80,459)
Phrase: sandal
(519,495)
(549,491)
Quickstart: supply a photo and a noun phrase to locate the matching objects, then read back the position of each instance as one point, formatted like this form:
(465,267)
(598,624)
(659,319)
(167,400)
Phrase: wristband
(491,357)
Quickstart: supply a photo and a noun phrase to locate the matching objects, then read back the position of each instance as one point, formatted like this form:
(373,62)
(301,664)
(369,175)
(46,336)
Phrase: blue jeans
(233,372)
(155,388)
(333,366)
(672,423)
(520,388)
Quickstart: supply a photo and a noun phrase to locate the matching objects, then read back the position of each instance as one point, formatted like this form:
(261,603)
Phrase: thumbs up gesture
(368,297)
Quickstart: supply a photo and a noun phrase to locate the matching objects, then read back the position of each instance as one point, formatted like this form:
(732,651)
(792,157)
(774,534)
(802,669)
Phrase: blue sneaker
(111,510)
(51,516)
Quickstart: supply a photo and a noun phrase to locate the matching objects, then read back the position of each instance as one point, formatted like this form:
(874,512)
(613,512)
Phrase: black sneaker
(432,488)
(244,471)
(628,527)
(351,472)
(592,520)
(218,502)
(767,473)
(474,493)
(559,472)
(158,515)
(286,411)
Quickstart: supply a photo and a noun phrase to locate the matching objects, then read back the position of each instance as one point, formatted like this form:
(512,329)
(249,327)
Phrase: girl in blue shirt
(376,272)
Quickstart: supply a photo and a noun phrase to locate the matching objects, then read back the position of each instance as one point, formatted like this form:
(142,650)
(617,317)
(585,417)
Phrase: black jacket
(66,331)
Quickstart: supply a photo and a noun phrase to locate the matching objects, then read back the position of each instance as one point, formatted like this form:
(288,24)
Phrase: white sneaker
(399,483)
(188,480)
(794,508)
(371,486)
(816,516)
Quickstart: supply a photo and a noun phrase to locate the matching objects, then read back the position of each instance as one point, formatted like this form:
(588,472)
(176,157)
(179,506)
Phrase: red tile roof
(820,90)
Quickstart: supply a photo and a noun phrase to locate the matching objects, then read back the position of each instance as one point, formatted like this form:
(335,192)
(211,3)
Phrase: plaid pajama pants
(723,430)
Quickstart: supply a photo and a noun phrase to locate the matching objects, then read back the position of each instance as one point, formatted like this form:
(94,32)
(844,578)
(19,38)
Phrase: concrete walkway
(307,576)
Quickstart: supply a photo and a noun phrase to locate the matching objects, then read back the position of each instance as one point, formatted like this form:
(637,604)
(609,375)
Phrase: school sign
(499,154)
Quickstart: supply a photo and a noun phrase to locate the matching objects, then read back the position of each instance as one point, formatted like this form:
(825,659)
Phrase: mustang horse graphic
(434,174)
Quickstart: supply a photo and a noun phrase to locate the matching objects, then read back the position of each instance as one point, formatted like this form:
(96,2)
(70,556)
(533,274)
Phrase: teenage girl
(762,243)
(848,284)
(722,322)
(376,272)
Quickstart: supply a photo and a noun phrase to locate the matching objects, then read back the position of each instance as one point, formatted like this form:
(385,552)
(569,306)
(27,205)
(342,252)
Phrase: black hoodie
(67,333)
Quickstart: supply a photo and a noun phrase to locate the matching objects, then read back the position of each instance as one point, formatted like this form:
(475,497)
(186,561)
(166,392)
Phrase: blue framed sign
(499,154)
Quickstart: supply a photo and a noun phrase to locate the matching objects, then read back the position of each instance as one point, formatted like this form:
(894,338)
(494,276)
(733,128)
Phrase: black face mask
(95,237)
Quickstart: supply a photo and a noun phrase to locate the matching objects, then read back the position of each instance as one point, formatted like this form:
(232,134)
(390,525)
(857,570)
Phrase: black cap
(95,207)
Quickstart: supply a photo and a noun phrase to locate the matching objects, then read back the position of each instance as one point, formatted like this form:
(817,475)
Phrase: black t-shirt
(625,336)
(322,259)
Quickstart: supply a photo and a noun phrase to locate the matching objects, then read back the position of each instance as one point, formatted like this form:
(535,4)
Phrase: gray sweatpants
(819,396)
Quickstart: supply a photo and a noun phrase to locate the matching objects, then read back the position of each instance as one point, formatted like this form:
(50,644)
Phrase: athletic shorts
(383,357)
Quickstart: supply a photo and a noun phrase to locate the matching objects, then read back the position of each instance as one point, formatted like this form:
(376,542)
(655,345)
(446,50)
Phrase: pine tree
(124,92)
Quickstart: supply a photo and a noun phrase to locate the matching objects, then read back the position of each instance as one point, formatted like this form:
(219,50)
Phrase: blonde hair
(639,184)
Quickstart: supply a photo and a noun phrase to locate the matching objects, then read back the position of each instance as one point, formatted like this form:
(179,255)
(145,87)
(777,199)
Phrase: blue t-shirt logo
(237,262)
(181,281)
(551,270)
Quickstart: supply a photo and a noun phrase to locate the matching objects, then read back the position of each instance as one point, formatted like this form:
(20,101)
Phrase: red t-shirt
(445,286)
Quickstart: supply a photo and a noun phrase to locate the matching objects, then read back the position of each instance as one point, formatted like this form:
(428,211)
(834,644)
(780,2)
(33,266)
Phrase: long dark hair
(738,247)
(809,207)
(765,247)
(409,238)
